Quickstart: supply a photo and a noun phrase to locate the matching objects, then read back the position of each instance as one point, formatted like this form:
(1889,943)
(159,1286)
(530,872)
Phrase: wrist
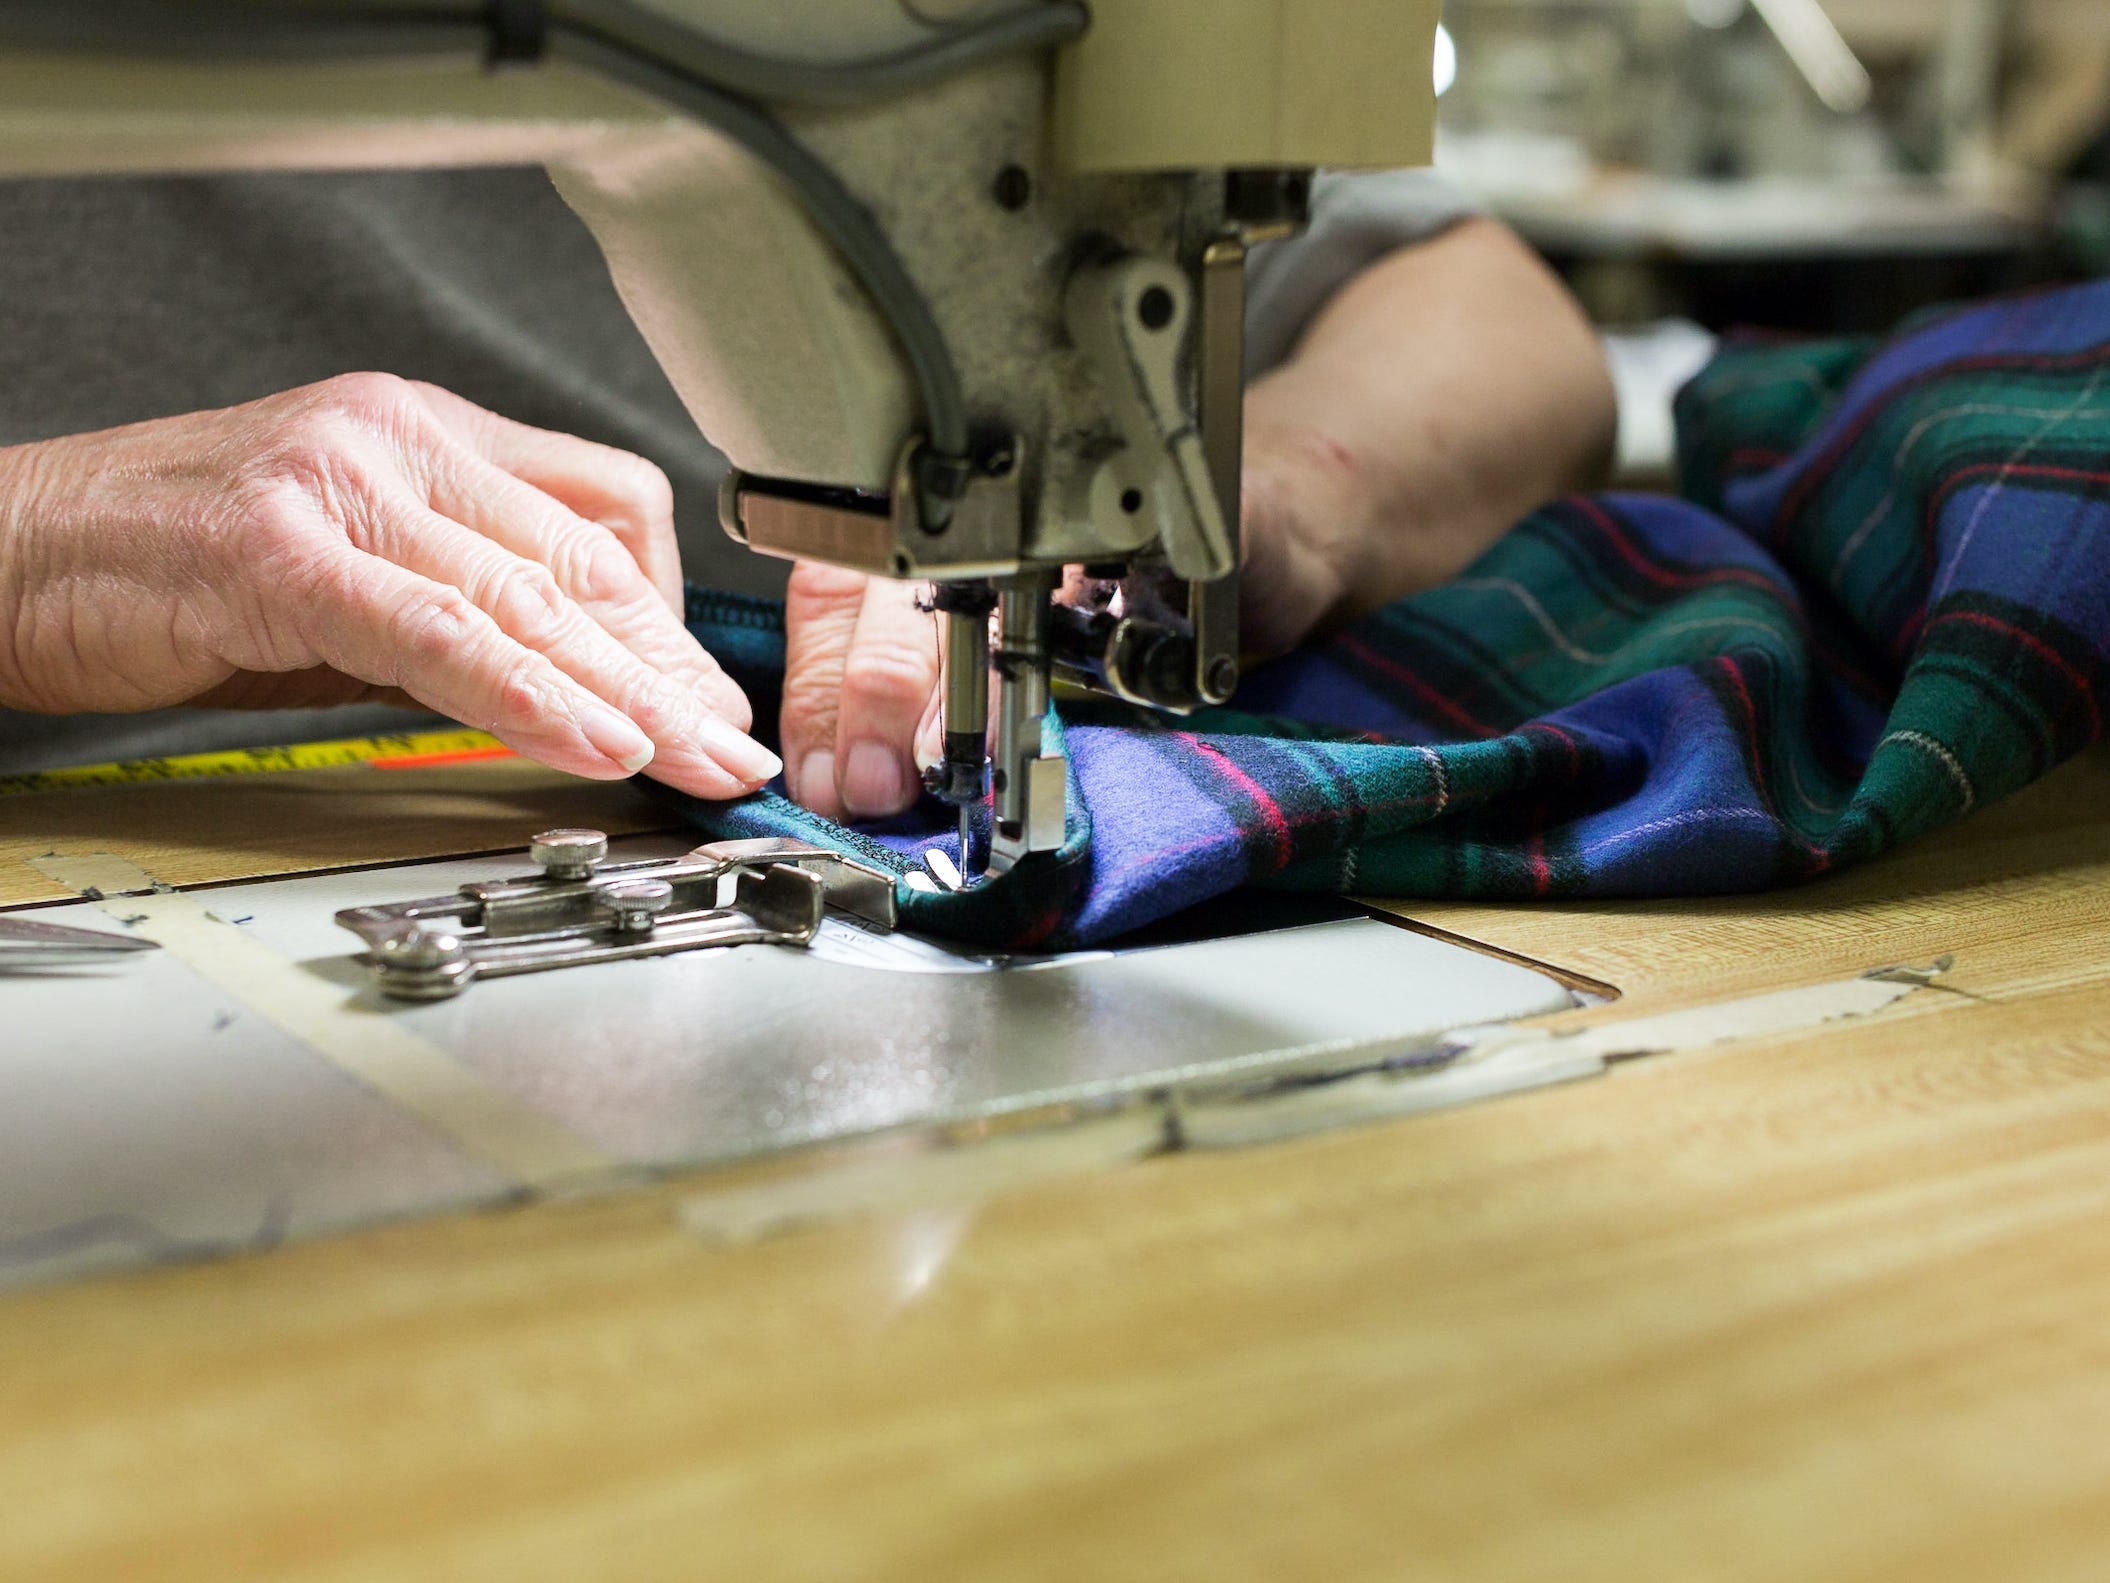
(1310,511)
(18,557)
(42,582)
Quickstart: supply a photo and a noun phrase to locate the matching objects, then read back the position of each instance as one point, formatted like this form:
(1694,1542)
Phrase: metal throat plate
(149,1113)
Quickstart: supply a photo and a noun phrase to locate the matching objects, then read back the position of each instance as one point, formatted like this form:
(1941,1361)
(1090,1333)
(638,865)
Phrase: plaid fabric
(1884,601)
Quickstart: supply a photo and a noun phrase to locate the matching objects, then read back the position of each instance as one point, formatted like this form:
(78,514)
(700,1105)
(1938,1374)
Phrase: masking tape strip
(1507,1059)
(488,1125)
(1215,1107)
(1748,1017)
(94,874)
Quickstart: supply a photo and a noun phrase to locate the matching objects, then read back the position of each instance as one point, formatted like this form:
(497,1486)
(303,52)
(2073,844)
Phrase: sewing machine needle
(966,830)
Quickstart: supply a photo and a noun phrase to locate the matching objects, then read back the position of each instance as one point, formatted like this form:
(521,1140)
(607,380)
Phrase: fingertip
(876,784)
(704,778)
(813,785)
(741,755)
(930,735)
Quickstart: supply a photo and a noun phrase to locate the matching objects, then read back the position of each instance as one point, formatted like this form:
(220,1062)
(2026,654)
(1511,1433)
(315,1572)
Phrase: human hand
(1306,529)
(1437,397)
(861,691)
(367,538)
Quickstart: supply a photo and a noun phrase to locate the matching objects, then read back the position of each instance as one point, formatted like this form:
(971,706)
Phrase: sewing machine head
(957,287)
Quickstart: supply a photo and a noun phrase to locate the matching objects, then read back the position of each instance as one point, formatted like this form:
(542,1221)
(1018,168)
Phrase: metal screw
(1223,677)
(569,854)
(420,945)
(636,903)
(422,961)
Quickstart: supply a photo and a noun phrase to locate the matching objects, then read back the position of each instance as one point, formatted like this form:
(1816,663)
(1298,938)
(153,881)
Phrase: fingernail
(616,735)
(816,776)
(737,751)
(874,786)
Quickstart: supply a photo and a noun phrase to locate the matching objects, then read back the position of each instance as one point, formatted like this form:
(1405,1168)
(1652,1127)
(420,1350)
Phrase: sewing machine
(957,286)
(1818,1295)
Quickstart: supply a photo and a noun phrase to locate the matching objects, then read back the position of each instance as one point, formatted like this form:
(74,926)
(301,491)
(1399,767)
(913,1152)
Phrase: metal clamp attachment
(583,909)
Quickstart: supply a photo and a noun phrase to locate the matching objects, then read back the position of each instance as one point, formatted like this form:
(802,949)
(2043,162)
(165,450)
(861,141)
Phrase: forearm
(1439,397)
(23,622)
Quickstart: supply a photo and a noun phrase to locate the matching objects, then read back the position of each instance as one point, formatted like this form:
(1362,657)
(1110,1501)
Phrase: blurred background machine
(1808,165)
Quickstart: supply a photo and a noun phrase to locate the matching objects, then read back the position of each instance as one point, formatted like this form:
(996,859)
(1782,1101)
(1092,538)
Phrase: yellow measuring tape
(416,750)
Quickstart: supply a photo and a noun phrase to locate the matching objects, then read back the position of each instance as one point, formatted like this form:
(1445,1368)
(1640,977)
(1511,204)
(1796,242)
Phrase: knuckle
(890,680)
(271,516)
(598,570)
(810,699)
(281,496)
(310,445)
(653,490)
(811,690)
(336,594)
(815,587)
(427,632)
(639,497)
(527,601)
(368,393)
(517,690)
(354,407)
(737,711)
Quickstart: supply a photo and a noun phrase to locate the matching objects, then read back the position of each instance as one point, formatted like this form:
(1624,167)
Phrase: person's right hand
(367,538)
(862,709)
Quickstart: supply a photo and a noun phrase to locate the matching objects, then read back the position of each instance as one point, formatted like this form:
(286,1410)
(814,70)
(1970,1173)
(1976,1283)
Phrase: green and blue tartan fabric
(1883,601)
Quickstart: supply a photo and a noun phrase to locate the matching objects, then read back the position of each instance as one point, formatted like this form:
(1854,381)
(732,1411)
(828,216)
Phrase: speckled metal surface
(145,1113)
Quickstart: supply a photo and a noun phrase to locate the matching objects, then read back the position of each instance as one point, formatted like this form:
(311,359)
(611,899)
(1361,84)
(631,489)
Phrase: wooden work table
(1827,1307)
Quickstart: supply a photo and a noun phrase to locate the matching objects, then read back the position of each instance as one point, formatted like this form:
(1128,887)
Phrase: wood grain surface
(1821,1308)
(2019,893)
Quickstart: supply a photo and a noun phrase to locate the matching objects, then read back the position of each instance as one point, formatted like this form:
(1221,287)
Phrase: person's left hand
(367,538)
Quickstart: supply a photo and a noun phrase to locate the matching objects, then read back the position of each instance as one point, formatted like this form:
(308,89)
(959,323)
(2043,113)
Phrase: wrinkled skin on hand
(367,539)
(862,689)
